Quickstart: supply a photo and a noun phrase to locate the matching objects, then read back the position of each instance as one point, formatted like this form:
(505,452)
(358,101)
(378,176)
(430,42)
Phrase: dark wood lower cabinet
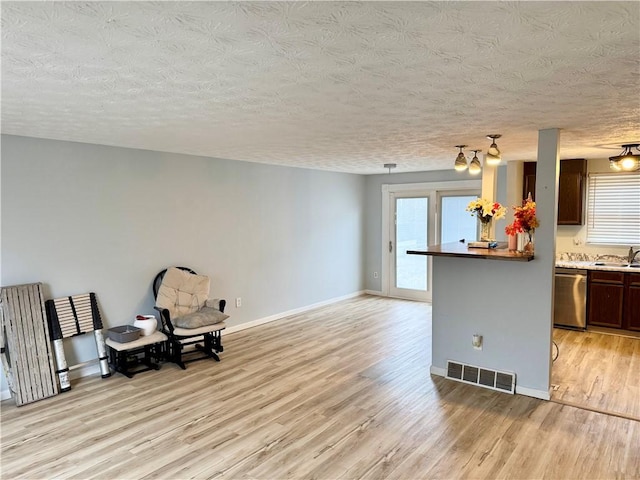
(613,300)
(632,301)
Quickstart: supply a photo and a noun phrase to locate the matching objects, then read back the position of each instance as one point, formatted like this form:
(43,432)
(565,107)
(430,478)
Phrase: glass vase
(529,245)
(485,231)
(525,242)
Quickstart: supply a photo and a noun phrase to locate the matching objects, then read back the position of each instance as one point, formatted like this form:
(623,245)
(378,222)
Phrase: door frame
(429,189)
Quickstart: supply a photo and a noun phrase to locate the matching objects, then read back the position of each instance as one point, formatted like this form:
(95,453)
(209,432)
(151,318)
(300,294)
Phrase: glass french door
(410,231)
(455,222)
(414,218)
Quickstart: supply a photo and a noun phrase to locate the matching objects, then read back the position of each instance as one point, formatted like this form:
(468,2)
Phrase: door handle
(390,246)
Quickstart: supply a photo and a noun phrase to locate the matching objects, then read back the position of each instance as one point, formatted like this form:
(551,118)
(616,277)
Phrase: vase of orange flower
(524,225)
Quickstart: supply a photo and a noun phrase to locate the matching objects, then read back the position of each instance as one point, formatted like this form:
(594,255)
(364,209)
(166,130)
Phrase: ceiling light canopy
(627,160)
(474,167)
(461,160)
(390,166)
(493,154)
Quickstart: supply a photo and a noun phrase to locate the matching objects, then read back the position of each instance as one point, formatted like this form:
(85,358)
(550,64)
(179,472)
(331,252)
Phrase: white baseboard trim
(377,293)
(529,392)
(84,369)
(295,311)
(532,392)
(80,370)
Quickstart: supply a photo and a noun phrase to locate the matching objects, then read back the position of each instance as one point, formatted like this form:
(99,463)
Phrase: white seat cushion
(155,337)
(190,332)
(202,318)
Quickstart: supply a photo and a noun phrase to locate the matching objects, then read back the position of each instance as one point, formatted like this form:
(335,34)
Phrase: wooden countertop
(461,250)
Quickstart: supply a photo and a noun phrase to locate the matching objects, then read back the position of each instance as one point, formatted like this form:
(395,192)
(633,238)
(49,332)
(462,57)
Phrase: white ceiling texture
(341,86)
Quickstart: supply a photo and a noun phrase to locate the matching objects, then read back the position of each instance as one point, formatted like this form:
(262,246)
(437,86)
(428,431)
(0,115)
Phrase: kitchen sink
(616,264)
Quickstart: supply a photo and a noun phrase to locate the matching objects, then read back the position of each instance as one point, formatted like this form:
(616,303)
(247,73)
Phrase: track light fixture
(474,167)
(461,161)
(493,154)
(627,161)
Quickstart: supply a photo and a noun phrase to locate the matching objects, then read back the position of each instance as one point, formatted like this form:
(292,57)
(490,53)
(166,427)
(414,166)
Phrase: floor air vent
(484,377)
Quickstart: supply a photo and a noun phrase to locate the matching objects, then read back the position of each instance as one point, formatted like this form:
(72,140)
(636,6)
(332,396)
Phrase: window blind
(613,209)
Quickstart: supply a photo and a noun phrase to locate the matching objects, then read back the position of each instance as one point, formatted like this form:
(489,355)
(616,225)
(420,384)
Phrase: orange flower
(525,219)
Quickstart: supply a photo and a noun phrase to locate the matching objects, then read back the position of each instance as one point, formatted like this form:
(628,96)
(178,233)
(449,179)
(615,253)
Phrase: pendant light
(461,160)
(474,167)
(627,160)
(493,154)
(390,166)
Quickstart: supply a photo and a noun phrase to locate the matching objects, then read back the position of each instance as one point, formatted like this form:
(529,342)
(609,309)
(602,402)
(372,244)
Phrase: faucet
(632,255)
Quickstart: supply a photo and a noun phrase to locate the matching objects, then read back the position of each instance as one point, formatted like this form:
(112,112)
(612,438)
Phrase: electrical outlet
(238,302)
(476,341)
(375,274)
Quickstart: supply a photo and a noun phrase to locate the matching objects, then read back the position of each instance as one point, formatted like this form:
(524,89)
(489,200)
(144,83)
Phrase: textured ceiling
(341,86)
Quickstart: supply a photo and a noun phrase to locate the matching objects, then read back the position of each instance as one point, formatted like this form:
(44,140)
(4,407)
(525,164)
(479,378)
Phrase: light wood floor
(598,370)
(343,391)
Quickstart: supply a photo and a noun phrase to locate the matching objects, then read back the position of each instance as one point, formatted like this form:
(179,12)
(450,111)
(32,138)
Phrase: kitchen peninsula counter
(461,250)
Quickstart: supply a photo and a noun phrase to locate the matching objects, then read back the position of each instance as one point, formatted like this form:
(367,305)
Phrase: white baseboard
(295,311)
(535,393)
(377,293)
(85,369)
(529,392)
(80,370)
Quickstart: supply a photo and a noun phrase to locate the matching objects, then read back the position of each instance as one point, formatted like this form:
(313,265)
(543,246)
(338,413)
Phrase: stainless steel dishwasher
(570,301)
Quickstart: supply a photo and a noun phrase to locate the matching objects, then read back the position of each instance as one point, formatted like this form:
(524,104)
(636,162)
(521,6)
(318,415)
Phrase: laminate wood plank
(342,391)
(598,370)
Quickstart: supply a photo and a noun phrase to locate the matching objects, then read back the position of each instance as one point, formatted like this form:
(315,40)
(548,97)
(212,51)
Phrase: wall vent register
(483,377)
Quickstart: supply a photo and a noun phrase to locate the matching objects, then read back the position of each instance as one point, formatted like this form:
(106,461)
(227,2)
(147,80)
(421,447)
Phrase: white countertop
(591,266)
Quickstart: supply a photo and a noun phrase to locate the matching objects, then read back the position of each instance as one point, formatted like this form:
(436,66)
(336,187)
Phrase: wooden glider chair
(188,316)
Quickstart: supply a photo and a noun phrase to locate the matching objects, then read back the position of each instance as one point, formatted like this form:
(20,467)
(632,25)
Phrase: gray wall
(81,218)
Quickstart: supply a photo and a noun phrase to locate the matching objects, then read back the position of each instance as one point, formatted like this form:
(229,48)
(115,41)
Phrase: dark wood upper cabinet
(571,189)
(529,180)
